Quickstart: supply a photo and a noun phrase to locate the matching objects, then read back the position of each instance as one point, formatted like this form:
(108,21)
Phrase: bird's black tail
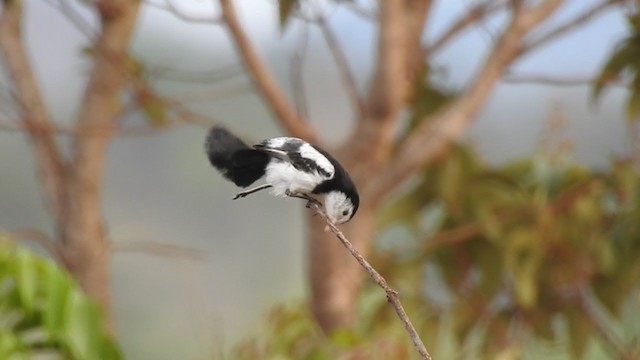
(233,158)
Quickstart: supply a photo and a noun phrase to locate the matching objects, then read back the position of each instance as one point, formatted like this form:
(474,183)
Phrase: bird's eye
(345,213)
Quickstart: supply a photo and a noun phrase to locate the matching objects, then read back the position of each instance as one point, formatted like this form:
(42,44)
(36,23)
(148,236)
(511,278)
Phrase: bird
(290,166)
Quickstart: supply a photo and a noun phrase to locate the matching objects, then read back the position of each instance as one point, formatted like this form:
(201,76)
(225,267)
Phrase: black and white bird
(291,167)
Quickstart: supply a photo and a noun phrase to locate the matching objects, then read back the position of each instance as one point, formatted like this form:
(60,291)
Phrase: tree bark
(84,238)
(378,170)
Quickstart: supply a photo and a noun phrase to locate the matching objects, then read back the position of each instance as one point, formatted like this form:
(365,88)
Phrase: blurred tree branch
(569,25)
(170,7)
(434,135)
(473,16)
(297,78)
(348,80)
(585,301)
(158,249)
(50,245)
(264,79)
(51,165)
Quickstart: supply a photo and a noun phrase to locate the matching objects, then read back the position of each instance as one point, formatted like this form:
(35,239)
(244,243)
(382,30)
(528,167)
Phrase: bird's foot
(310,200)
(250,191)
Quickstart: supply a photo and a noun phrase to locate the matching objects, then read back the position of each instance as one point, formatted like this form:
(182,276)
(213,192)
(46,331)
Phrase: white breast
(283,176)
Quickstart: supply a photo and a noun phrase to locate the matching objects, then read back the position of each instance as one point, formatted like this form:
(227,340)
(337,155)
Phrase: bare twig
(297,78)
(44,240)
(365,13)
(348,80)
(264,79)
(473,16)
(433,136)
(586,306)
(224,73)
(76,19)
(571,24)
(549,79)
(392,295)
(182,115)
(216,94)
(171,8)
(158,249)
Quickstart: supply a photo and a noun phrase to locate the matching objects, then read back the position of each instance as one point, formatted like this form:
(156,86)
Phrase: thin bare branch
(599,324)
(159,249)
(51,165)
(559,80)
(473,16)
(579,20)
(51,246)
(365,13)
(176,113)
(225,73)
(348,80)
(264,79)
(75,19)
(176,11)
(297,78)
(549,79)
(433,136)
(392,295)
(215,94)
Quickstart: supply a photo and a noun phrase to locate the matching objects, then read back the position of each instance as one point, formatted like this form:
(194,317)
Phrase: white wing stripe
(309,152)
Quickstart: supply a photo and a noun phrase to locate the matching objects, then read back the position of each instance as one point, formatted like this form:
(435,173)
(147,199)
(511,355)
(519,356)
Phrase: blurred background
(539,133)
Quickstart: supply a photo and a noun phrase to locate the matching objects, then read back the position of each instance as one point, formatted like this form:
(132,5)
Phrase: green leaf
(41,307)
(58,288)
(285,8)
(623,57)
(523,259)
(80,329)
(26,279)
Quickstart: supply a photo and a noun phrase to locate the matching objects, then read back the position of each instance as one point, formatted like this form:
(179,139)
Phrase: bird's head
(340,207)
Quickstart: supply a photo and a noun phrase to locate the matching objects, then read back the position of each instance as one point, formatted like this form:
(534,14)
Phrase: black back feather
(236,161)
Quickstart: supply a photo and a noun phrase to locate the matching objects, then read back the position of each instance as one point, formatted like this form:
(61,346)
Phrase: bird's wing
(302,155)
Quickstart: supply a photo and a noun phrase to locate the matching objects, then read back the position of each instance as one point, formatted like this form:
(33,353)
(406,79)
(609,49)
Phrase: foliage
(42,311)
(490,262)
(291,333)
(521,246)
(624,63)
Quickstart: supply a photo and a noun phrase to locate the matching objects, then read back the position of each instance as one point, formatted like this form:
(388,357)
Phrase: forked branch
(392,295)
(263,78)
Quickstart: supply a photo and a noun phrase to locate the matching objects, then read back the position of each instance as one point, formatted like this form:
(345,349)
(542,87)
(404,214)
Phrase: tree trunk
(86,248)
(335,275)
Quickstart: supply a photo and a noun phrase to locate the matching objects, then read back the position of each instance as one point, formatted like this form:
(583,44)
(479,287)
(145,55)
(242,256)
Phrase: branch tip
(392,295)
